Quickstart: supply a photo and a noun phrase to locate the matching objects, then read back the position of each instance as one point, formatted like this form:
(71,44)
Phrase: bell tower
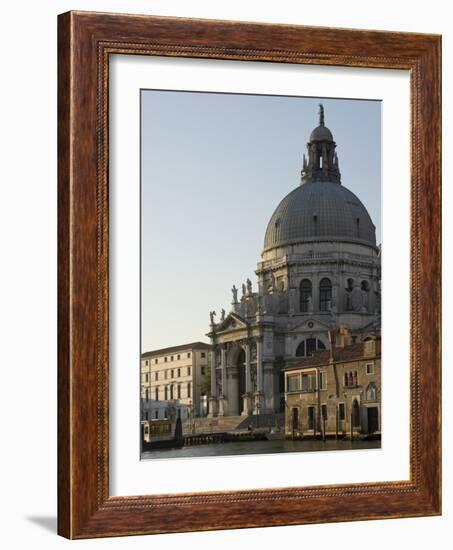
(322,163)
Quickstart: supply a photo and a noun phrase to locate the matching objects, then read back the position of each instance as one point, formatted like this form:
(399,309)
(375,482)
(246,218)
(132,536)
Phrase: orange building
(335,392)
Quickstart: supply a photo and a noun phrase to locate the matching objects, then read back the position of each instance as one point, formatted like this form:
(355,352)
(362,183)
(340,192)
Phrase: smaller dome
(321,133)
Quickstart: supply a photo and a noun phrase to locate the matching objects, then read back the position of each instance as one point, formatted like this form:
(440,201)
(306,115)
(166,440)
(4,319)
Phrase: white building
(164,410)
(319,269)
(177,374)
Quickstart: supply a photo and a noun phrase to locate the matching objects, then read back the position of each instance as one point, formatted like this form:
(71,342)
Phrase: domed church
(319,277)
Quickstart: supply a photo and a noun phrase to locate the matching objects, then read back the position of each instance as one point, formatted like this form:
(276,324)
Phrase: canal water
(263,447)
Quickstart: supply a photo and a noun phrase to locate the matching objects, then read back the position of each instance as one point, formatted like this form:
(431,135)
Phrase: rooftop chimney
(332,342)
(345,336)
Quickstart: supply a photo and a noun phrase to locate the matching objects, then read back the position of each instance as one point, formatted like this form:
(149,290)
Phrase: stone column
(223,394)
(293,306)
(213,372)
(268,387)
(248,382)
(314,294)
(259,377)
(259,365)
(223,365)
(335,293)
(213,398)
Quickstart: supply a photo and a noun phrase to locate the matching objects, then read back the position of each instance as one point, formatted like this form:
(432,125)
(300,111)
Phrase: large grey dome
(319,211)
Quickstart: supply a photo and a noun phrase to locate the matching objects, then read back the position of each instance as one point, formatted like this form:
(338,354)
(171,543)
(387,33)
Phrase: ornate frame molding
(85,41)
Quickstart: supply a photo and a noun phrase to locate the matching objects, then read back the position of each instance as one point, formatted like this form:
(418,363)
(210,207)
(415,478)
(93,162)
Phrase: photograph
(260,274)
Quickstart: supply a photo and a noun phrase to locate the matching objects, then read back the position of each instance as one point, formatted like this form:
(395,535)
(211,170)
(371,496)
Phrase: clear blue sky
(214,168)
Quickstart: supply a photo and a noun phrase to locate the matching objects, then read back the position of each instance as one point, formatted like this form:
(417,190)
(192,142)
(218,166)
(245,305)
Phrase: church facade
(319,273)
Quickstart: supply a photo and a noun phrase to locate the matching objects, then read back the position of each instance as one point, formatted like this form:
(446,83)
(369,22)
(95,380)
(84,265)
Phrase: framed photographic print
(249,275)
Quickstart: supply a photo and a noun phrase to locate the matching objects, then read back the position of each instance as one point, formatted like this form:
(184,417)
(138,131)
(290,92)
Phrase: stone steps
(230,423)
(269,420)
(217,424)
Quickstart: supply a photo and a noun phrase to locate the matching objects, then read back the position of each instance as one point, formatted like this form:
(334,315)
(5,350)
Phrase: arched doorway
(294,420)
(241,379)
(355,414)
(373,419)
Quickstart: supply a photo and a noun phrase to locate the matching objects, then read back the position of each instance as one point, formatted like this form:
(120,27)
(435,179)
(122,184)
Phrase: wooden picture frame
(85,42)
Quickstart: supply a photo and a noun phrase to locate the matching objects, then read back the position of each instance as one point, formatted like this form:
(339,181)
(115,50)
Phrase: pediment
(231,322)
(311,325)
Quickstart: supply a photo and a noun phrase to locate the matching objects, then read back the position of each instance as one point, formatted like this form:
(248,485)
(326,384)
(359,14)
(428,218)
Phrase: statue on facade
(321,114)
(253,376)
(356,298)
(273,286)
(212,314)
(249,287)
(260,309)
(222,315)
(218,380)
(348,305)
(365,297)
(234,290)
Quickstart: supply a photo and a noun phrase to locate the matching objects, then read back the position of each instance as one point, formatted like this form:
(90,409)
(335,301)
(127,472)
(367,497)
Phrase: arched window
(309,346)
(305,295)
(166,393)
(371,392)
(300,351)
(171,391)
(325,294)
(156,392)
(365,285)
